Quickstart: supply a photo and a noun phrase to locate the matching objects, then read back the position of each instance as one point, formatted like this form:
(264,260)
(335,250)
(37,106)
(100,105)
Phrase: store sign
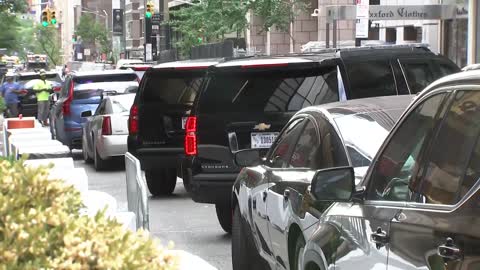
(387,12)
(425,12)
(117,21)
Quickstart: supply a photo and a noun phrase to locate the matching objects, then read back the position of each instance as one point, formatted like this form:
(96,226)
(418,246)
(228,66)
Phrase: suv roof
(189,63)
(100,73)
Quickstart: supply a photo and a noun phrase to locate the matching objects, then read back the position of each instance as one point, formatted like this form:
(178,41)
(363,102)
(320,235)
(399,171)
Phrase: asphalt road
(192,227)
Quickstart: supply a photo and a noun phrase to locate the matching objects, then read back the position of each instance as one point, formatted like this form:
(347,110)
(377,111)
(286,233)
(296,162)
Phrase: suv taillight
(66,109)
(191,136)
(133,120)
(107,126)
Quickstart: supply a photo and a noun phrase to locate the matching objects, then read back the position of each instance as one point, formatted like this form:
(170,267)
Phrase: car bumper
(212,188)
(153,158)
(112,145)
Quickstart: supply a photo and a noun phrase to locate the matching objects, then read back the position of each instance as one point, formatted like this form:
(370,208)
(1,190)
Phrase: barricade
(137,196)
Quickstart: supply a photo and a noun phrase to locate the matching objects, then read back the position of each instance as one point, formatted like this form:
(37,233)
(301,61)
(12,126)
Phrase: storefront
(448,27)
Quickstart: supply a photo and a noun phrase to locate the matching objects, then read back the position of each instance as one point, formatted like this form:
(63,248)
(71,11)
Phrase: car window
(445,68)
(454,146)
(172,88)
(304,151)
(418,74)
(121,104)
(283,90)
(280,153)
(101,108)
(396,166)
(371,79)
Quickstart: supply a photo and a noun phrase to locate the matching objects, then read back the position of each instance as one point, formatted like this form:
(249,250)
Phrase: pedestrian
(43,88)
(64,71)
(10,91)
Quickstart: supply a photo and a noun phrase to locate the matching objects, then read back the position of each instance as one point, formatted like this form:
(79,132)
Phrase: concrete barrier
(58,163)
(44,152)
(76,177)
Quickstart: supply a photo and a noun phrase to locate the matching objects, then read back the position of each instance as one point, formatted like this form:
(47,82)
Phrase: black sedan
(273,210)
(419,203)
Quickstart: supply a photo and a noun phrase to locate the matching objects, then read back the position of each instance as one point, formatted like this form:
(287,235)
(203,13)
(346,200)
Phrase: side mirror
(248,158)
(86,114)
(337,184)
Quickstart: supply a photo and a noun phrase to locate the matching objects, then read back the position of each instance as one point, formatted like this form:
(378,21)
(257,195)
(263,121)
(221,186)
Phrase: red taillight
(57,89)
(191,136)
(107,126)
(133,120)
(66,104)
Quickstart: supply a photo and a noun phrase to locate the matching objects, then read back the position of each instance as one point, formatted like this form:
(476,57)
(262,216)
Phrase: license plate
(263,140)
(184,122)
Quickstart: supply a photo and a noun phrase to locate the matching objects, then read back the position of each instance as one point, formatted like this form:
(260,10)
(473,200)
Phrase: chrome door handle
(449,251)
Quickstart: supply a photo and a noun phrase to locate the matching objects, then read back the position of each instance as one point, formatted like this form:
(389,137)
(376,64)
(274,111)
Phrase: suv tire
(161,182)
(224,216)
(299,247)
(187,179)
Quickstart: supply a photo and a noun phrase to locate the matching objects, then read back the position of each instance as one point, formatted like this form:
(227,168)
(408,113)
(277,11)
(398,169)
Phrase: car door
(276,160)
(56,110)
(436,229)
(365,226)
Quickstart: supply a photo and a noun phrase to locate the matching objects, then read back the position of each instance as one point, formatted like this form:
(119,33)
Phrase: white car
(105,132)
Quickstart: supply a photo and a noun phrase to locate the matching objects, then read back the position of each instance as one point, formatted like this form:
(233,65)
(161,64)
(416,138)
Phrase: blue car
(81,92)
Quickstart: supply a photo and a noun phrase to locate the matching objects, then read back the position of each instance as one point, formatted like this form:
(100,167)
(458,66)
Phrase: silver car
(105,132)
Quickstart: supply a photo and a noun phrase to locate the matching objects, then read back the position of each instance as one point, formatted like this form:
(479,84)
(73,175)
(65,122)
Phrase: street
(192,227)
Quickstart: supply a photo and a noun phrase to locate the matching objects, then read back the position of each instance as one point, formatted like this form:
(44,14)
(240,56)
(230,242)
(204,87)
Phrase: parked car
(245,103)
(83,91)
(418,205)
(26,80)
(139,68)
(157,120)
(270,199)
(106,130)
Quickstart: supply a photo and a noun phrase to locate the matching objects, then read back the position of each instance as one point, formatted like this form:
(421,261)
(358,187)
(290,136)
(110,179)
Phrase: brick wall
(306,28)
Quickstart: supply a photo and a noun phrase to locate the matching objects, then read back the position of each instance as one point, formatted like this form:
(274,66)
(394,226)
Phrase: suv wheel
(187,179)
(161,182)
(244,252)
(224,216)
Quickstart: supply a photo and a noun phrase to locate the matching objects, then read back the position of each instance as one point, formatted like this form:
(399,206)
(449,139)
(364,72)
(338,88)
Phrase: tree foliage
(210,20)
(93,32)
(9,22)
(49,43)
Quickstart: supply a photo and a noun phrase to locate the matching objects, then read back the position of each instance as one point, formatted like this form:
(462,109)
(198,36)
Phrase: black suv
(245,103)
(157,120)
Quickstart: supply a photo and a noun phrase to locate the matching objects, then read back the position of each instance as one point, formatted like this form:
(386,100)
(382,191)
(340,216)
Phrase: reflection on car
(417,207)
(273,206)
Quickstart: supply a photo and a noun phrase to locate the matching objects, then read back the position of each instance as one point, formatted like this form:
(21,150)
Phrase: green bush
(41,228)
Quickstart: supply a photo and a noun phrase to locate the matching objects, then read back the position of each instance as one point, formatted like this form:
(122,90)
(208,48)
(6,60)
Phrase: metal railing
(137,195)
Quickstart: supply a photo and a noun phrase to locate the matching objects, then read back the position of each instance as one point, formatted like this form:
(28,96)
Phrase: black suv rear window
(172,87)
(269,91)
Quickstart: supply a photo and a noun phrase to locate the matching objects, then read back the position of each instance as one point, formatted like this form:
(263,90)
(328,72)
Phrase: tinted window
(446,68)
(172,87)
(304,151)
(50,76)
(419,75)
(87,87)
(371,79)
(106,78)
(269,91)
(280,155)
(452,149)
(399,161)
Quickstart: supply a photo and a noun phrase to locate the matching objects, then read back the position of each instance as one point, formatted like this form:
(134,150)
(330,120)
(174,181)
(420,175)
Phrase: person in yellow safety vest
(42,89)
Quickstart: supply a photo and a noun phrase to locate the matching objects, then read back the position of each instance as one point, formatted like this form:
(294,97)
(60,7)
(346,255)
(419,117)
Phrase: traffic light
(53,17)
(45,17)
(150,10)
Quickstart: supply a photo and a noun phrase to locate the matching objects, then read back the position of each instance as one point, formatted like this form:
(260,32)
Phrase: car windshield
(24,79)
(270,91)
(364,133)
